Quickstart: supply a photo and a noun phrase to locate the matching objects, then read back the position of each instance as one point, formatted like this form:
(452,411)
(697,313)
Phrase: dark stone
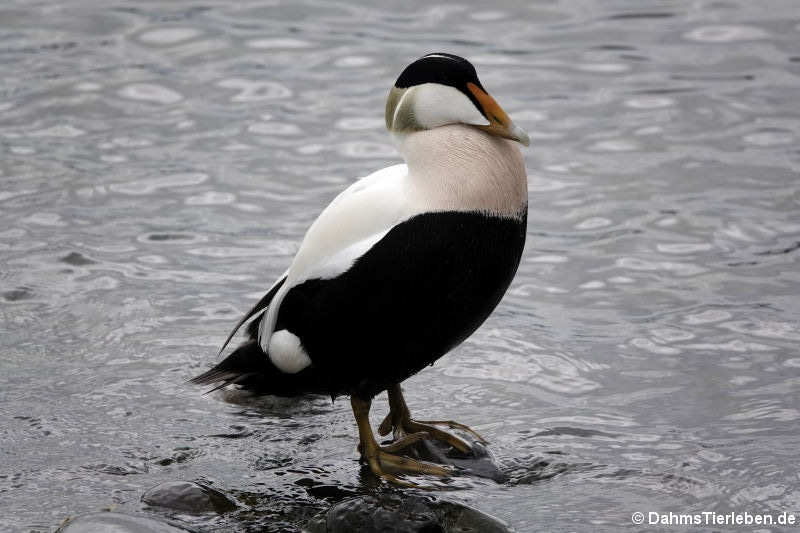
(116,523)
(403,513)
(477,462)
(464,519)
(188,497)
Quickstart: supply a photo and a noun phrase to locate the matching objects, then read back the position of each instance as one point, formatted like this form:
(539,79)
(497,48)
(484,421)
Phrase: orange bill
(499,122)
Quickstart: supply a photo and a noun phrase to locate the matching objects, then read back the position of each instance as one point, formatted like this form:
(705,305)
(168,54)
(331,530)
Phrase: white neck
(459,167)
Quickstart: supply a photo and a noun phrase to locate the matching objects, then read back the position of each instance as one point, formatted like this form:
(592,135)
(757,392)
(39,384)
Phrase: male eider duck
(401,267)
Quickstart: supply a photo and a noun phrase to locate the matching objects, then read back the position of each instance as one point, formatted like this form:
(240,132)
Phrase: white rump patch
(286,353)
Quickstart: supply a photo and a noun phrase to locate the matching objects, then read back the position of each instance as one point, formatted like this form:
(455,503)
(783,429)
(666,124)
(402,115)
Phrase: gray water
(159,164)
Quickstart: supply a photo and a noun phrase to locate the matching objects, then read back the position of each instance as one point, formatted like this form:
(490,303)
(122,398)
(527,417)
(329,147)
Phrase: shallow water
(159,165)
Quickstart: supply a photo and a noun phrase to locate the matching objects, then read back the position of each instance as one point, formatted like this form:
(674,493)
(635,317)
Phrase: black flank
(420,291)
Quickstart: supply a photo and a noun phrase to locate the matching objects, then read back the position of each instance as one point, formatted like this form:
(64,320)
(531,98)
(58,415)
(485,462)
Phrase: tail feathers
(251,368)
(257,309)
(246,359)
(217,376)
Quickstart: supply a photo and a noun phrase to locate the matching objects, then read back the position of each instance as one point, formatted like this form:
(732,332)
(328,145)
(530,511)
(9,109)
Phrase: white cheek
(437,105)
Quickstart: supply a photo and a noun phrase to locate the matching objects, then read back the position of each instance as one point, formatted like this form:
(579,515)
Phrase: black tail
(251,368)
(262,304)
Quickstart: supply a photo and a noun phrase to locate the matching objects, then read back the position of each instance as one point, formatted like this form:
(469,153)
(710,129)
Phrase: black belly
(420,291)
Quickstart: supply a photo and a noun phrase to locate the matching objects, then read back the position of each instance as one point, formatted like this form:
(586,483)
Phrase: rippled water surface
(160,162)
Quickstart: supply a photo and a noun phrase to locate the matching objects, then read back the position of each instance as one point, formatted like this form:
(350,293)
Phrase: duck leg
(399,419)
(381,459)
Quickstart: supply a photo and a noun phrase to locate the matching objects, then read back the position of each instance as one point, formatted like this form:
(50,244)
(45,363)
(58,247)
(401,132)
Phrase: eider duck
(401,267)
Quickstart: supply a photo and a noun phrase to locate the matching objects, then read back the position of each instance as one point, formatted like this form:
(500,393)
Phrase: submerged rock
(477,462)
(403,513)
(188,497)
(116,523)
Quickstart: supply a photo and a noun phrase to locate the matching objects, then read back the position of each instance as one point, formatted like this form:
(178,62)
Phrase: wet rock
(323,490)
(477,462)
(403,513)
(116,523)
(188,497)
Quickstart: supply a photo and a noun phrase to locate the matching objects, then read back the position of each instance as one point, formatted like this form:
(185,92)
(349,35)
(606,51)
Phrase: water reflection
(161,164)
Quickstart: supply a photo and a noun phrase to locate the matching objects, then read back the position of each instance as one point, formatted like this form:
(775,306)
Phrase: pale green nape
(402,119)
